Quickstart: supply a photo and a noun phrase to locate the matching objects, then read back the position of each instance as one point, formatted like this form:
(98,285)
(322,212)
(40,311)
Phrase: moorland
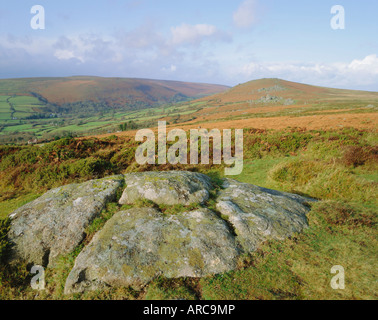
(313,141)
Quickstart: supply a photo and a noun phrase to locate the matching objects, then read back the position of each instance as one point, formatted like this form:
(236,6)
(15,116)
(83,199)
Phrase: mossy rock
(258,214)
(167,188)
(55,223)
(140,244)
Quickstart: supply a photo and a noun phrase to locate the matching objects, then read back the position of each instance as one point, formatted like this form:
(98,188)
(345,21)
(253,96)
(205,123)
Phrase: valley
(57,111)
(51,108)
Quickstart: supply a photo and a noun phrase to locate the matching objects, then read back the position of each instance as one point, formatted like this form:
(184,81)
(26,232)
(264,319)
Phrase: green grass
(28,109)
(21,115)
(256,171)
(5,116)
(4,229)
(8,206)
(25,106)
(3,98)
(97,224)
(25,100)
(299,268)
(4,106)
(21,127)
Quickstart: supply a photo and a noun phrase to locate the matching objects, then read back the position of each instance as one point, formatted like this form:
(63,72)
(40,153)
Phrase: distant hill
(117,91)
(257,90)
(276,103)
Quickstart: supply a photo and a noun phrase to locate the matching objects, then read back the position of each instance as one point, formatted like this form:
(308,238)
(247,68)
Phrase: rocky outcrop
(54,224)
(258,214)
(137,245)
(169,188)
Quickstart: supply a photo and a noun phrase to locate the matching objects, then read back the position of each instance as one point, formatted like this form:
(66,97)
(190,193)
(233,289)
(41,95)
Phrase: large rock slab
(137,245)
(169,188)
(54,224)
(258,214)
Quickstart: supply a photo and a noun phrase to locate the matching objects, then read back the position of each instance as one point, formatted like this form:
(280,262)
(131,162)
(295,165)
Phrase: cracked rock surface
(169,188)
(258,214)
(139,244)
(54,224)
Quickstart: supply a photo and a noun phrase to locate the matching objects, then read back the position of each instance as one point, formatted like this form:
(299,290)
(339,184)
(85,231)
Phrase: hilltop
(278,104)
(299,92)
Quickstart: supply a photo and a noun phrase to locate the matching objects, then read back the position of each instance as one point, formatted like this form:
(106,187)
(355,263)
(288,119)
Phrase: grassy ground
(16,128)
(337,167)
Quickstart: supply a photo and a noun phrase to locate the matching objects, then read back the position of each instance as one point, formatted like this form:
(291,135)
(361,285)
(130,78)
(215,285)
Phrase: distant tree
(131,125)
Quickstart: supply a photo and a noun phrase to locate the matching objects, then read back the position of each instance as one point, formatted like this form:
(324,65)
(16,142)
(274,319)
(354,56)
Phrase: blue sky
(216,41)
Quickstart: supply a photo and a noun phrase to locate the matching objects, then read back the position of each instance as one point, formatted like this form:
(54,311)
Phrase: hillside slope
(109,90)
(275,103)
(301,93)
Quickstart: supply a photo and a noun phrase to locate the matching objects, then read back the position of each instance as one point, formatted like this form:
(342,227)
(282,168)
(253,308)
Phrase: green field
(25,100)
(17,107)
(4,105)
(18,122)
(5,116)
(3,98)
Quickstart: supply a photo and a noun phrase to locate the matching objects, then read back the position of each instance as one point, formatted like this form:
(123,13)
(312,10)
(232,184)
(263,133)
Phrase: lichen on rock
(169,188)
(258,214)
(137,245)
(55,223)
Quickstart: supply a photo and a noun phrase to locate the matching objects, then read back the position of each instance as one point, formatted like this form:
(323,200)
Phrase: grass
(257,171)
(338,167)
(4,106)
(3,98)
(98,223)
(23,127)
(24,100)
(5,116)
(299,268)
(9,205)
(21,115)
(49,128)
(4,229)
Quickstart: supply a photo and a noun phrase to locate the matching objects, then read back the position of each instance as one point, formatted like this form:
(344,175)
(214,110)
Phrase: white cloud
(87,48)
(31,45)
(186,33)
(369,64)
(172,68)
(246,15)
(359,73)
(64,54)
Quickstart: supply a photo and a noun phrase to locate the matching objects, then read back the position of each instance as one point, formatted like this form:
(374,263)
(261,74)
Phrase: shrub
(321,179)
(88,167)
(357,156)
(343,214)
(4,229)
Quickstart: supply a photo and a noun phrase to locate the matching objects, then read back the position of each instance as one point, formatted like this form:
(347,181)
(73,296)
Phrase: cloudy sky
(215,41)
